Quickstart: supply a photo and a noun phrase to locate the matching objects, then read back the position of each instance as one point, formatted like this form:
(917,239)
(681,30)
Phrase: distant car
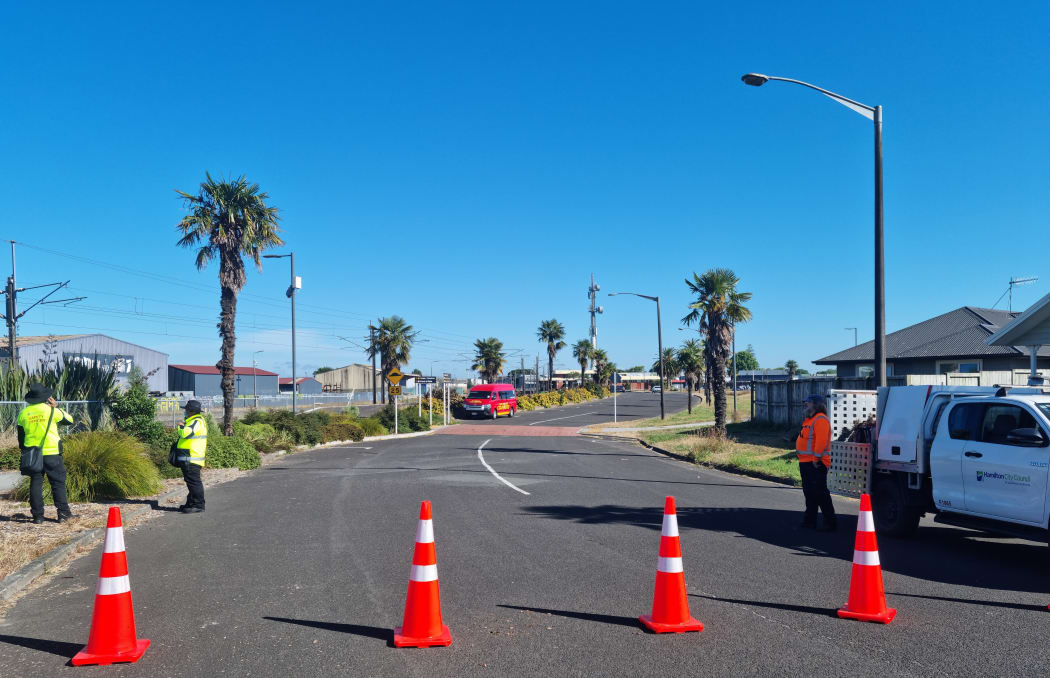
(620,388)
(491,400)
(655,389)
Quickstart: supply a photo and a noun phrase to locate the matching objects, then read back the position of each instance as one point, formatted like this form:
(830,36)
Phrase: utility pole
(372,347)
(523,374)
(538,375)
(592,294)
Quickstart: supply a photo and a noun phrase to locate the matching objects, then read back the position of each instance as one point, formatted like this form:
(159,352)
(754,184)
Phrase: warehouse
(307,385)
(205,380)
(354,377)
(92,349)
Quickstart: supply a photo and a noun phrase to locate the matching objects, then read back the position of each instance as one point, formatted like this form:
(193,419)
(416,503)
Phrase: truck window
(964,421)
(1000,419)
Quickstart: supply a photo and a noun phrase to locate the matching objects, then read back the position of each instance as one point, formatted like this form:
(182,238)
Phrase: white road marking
(543,421)
(493,472)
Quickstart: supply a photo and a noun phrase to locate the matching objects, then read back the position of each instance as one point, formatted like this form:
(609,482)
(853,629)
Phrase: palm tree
(582,350)
(792,367)
(718,307)
(489,358)
(690,358)
(393,343)
(671,367)
(601,360)
(228,220)
(552,332)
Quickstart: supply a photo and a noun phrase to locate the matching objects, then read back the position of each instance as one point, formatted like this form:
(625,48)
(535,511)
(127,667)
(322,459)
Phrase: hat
(192,406)
(38,393)
(815,399)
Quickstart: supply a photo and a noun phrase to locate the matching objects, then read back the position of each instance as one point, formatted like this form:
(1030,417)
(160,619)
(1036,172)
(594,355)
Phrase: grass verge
(701,413)
(749,449)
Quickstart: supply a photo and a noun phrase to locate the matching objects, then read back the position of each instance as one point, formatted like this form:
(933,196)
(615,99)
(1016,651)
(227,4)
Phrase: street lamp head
(274,256)
(755,79)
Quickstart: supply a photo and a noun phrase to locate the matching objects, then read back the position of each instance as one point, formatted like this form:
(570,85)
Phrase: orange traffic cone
(867,599)
(670,605)
(112,636)
(422,626)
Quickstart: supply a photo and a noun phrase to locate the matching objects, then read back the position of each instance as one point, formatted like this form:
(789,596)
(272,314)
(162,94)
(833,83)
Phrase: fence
(780,402)
(88,414)
(169,410)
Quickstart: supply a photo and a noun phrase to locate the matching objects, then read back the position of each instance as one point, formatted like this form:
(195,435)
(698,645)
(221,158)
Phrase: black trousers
(192,474)
(815,489)
(55,471)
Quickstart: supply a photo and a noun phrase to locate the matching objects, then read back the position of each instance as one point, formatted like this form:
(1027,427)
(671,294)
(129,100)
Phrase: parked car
(655,389)
(491,400)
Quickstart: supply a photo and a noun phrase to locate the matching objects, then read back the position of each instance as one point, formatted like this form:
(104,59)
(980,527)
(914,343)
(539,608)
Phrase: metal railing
(90,414)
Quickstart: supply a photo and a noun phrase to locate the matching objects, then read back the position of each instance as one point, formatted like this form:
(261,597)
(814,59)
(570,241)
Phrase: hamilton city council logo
(980,476)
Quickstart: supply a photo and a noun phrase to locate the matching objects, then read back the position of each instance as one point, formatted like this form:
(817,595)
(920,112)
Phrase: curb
(20,579)
(735,472)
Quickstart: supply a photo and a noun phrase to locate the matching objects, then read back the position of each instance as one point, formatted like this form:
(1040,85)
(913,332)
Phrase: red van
(491,400)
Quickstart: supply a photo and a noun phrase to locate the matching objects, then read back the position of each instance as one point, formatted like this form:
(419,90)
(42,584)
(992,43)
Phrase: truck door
(946,455)
(1002,478)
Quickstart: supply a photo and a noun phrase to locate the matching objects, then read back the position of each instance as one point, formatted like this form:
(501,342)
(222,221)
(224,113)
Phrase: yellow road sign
(395,390)
(394,376)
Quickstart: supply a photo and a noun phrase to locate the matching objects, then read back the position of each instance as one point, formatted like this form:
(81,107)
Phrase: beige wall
(350,378)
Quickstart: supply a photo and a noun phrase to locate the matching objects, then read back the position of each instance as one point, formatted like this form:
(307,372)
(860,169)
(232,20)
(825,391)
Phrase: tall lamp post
(295,285)
(873,113)
(659,342)
(854,334)
(255,378)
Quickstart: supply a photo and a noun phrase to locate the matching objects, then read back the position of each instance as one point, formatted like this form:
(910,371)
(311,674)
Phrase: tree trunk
(689,386)
(225,365)
(550,374)
(718,380)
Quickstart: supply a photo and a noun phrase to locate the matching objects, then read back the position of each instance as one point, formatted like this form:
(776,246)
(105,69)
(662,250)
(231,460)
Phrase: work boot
(193,509)
(38,520)
(63,517)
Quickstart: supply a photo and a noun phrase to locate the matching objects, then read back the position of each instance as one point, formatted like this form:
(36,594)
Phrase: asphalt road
(301,569)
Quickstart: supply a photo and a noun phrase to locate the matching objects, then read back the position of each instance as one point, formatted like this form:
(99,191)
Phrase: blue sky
(468,165)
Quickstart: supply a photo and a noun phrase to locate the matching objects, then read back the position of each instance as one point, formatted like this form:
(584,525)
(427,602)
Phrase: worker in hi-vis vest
(38,427)
(814,459)
(192,442)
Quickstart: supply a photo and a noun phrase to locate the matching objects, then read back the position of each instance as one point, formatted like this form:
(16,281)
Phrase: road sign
(426,380)
(394,376)
(446,376)
(395,390)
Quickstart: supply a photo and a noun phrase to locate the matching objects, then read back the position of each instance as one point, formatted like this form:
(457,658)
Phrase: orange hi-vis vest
(814,440)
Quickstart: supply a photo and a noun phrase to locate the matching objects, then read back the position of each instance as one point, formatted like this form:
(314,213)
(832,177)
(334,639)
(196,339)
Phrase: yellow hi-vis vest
(33,419)
(193,437)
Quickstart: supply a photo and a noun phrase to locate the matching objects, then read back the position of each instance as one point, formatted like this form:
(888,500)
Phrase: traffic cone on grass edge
(422,626)
(670,605)
(867,599)
(112,636)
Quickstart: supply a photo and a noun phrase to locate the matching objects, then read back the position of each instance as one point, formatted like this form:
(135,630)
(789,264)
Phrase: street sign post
(426,380)
(394,376)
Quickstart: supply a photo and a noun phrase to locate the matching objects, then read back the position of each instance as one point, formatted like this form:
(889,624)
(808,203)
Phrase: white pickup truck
(978,457)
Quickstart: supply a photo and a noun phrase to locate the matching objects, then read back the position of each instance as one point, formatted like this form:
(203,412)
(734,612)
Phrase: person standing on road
(814,459)
(38,427)
(192,443)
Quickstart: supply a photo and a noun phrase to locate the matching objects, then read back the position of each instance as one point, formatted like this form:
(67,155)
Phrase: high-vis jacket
(32,421)
(193,437)
(814,440)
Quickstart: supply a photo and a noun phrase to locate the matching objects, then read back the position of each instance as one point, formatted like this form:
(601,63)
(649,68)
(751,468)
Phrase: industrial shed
(307,385)
(90,349)
(205,380)
(354,377)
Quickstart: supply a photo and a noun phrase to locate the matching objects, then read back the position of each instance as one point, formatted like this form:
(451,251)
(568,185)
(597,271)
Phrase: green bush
(103,464)
(407,419)
(352,410)
(134,413)
(342,427)
(231,452)
(372,427)
(10,458)
(263,437)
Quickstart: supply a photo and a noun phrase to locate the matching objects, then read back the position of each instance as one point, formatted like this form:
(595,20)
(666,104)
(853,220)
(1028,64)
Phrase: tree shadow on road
(57,647)
(585,616)
(942,554)
(376,632)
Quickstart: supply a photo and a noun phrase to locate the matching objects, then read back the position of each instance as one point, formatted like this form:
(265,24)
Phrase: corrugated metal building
(354,377)
(307,385)
(89,348)
(205,380)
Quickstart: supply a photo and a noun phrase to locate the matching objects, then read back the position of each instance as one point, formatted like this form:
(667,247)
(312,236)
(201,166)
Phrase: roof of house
(956,334)
(286,381)
(211,369)
(1029,327)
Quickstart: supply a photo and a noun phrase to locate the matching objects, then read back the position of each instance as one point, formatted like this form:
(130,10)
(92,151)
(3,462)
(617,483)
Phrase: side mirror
(1026,437)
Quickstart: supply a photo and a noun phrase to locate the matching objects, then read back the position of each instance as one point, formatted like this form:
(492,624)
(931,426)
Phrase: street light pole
(659,343)
(255,378)
(873,113)
(291,295)
(854,334)
(372,345)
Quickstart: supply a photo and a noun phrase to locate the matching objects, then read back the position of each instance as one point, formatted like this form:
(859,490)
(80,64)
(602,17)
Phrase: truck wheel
(494,414)
(892,515)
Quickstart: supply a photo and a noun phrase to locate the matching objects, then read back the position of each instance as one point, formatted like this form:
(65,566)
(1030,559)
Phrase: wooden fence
(780,402)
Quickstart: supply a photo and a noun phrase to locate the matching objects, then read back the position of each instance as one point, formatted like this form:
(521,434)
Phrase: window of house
(869,370)
(953,366)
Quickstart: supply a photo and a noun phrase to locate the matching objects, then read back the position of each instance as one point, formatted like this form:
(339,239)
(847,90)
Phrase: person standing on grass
(192,443)
(814,459)
(38,427)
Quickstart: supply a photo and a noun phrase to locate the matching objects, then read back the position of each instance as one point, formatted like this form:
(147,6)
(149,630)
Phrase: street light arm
(837,97)
(643,296)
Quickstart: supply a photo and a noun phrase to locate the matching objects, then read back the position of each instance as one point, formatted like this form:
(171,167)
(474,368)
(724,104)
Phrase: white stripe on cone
(109,586)
(669,565)
(423,573)
(670,528)
(865,522)
(114,540)
(865,557)
(425,532)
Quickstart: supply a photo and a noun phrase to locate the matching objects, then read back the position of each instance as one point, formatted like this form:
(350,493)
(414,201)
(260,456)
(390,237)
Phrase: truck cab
(975,456)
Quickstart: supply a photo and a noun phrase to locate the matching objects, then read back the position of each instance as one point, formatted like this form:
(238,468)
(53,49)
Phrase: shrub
(352,410)
(342,427)
(304,429)
(407,419)
(10,458)
(103,464)
(262,437)
(231,452)
(372,427)
(256,417)
(134,413)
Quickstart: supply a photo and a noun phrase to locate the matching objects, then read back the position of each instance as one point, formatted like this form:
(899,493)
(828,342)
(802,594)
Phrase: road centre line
(493,472)
(543,421)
